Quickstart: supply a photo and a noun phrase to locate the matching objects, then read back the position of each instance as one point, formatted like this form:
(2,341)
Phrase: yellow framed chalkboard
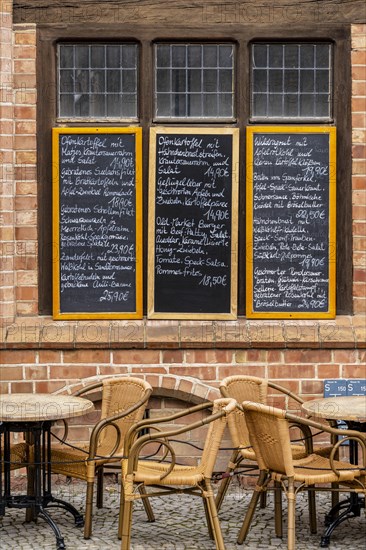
(193,223)
(97,223)
(291,222)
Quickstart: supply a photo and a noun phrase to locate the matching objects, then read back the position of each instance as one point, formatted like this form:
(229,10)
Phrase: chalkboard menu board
(291,241)
(193,221)
(97,223)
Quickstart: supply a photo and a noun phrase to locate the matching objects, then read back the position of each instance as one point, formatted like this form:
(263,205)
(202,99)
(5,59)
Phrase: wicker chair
(269,434)
(19,456)
(124,401)
(251,388)
(168,477)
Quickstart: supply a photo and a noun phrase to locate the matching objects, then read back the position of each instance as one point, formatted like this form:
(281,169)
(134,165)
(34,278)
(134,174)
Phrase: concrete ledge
(44,333)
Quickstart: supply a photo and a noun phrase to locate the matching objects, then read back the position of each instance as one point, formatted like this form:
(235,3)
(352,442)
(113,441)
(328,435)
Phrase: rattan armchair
(269,434)
(251,388)
(19,456)
(124,400)
(166,476)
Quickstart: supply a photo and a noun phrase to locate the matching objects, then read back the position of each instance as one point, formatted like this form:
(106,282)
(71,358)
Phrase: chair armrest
(110,421)
(287,392)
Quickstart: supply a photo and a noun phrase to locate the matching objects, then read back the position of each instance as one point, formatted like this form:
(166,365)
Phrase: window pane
(194,80)
(95,71)
(289,80)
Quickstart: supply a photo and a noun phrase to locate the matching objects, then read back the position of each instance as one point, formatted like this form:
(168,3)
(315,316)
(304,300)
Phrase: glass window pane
(179,105)
(114,105)
(179,80)
(307,81)
(260,55)
(82,56)
(307,105)
(113,81)
(113,56)
(178,56)
(210,56)
(291,83)
(322,81)
(291,56)
(194,56)
(67,105)
(97,54)
(276,55)
(209,105)
(163,105)
(322,105)
(129,82)
(260,80)
(67,57)
(276,81)
(97,106)
(225,56)
(129,57)
(163,56)
(290,107)
(225,81)
(66,81)
(307,56)
(322,55)
(163,80)
(194,105)
(260,104)
(275,105)
(97,82)
(225,105)
(129,106)
(194,80)
(210,81)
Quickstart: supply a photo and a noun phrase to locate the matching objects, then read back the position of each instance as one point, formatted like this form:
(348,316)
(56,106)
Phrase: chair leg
(100,483)
(291,515)
(126,516)
(88,509)
(252,506)
(146,504)
(278,509)
(224,485)
(209,499)
(208,520)
(263,499)
(312,511)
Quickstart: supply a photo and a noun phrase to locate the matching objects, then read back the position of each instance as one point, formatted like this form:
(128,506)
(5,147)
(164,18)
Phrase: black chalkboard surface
(193,212)
(291,238)
(97,223)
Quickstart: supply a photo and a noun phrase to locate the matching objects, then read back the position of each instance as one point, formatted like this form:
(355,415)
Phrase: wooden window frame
(47,39)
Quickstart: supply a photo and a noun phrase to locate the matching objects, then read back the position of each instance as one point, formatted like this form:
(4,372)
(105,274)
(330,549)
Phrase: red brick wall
(41,355)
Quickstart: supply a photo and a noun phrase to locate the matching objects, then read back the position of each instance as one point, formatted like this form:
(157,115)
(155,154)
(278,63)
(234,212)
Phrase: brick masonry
(41,355)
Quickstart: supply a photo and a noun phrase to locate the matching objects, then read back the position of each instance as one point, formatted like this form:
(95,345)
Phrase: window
(194,81)
(291,81)
(97,81)
(215,76)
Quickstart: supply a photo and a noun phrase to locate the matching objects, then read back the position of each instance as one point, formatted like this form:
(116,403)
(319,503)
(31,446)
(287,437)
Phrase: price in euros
(209,280)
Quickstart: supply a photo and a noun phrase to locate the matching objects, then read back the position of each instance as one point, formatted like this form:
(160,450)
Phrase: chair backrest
(226,407)
(242,388)
(118,395)
(270,437)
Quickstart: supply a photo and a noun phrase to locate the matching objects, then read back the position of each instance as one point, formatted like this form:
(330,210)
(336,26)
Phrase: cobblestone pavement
(179,525)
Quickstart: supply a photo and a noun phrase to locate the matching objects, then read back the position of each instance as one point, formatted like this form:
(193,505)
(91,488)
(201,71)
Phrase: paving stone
(180,524)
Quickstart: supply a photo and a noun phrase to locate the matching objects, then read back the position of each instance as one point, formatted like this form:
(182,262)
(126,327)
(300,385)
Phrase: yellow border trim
(57,313)
(331,131)
(232,314)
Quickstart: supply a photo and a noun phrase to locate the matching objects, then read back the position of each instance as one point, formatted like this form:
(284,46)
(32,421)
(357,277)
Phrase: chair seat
(73,462)
(150,472)
(315,469)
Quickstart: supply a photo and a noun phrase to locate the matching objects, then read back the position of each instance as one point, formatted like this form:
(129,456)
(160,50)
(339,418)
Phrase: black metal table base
(39,498)
(351,507)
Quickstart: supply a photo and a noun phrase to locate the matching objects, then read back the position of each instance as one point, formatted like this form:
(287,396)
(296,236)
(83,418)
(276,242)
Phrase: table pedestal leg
(352,505)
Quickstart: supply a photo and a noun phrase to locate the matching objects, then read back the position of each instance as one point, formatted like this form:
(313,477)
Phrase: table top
(352,407)
(29,407)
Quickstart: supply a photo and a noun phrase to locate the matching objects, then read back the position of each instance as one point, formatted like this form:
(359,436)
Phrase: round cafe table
(34,414)
(352,410)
